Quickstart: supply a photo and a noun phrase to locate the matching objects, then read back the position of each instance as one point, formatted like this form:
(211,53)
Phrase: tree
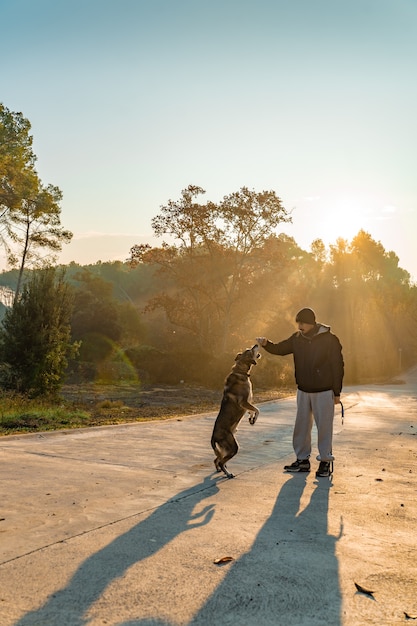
(371,298)
(34,228)
(103,325)
(94,321)
(16,158)
(35,338)
(31,231)
(213,260)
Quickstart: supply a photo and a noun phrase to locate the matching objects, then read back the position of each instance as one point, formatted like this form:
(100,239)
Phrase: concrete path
(121,525)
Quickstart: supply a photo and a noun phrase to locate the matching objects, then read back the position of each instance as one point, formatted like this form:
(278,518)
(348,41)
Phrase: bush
(35,336)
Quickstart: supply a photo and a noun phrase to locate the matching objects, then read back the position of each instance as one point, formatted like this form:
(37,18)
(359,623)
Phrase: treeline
(181,312)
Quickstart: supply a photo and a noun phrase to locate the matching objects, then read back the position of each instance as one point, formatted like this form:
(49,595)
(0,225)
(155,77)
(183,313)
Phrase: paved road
(121,525)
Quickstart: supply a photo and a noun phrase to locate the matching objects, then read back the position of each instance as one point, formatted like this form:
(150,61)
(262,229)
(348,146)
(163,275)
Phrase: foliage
(31,232)
(35,336)
(21,414)
(16,157)
(104,327)
(214,265)
(35,228)
(224,285)
(129,285)
(375,305)
(183,310)
(179,311)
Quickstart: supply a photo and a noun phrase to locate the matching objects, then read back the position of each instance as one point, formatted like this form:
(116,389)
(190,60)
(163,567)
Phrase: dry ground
(110,404)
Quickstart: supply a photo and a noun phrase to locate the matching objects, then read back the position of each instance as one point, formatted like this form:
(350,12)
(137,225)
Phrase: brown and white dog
(237,398)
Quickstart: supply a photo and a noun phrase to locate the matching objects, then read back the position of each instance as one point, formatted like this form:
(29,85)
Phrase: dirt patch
(125,403)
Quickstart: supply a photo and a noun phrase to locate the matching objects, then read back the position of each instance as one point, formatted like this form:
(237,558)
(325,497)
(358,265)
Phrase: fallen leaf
(223,559)
(407,616)
(365,591)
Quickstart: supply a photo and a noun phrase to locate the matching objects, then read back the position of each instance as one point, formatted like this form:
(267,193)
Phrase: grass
(89,405)
(19,414)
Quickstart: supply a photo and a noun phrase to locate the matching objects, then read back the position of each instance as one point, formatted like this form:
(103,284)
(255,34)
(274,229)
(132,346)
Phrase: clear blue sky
(131,101)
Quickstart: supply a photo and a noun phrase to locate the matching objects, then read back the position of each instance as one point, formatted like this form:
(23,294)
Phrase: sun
(345,219)
(334,216)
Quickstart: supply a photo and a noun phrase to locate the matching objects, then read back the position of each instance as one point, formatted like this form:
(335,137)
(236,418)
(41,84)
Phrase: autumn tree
(212,261)
(372,298)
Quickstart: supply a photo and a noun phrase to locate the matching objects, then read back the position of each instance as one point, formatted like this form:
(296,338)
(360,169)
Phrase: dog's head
(249,355)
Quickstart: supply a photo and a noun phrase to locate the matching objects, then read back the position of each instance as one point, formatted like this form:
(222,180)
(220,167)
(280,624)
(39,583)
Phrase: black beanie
(306,315)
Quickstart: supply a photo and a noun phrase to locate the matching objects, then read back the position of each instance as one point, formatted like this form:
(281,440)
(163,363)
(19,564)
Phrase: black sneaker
(298,466)
(325,469)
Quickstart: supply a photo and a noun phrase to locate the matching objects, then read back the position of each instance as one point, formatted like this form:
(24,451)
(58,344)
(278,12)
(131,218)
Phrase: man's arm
(282,348)
(337,368)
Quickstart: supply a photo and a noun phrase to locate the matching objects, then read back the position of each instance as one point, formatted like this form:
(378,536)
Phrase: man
(319,370)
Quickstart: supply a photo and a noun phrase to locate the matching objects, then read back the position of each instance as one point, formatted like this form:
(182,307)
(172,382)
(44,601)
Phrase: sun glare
(343,217)
(345,222)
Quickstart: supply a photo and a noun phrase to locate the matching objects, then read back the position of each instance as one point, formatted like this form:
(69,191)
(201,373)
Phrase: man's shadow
(289,576)
(70,604)
(290,572)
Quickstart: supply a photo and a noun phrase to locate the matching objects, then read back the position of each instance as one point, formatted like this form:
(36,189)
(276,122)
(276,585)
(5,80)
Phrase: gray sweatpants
(320,406)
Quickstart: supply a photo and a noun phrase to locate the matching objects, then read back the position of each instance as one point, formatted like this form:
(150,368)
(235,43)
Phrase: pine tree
(35,338)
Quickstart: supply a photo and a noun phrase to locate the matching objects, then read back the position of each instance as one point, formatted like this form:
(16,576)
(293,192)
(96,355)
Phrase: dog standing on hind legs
(236,400)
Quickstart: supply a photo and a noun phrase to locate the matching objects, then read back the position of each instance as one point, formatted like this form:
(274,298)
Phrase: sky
(131,101)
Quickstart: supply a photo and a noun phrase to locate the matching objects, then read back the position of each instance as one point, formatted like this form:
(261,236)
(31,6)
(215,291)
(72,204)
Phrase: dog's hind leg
(226,471)
(219,463)
(232,449)
(218,452)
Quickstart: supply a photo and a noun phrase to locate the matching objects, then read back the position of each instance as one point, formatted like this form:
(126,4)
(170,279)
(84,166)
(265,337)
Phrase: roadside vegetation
(89,405)
(19,414)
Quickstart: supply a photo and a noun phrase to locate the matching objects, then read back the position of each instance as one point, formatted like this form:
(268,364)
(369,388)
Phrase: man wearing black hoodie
(319,370)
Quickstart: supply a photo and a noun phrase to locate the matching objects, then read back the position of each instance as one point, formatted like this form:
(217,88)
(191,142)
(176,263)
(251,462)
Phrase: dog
(236,400)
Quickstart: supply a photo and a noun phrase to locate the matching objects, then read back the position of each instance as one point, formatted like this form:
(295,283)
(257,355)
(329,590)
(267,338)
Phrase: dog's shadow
(70,604)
